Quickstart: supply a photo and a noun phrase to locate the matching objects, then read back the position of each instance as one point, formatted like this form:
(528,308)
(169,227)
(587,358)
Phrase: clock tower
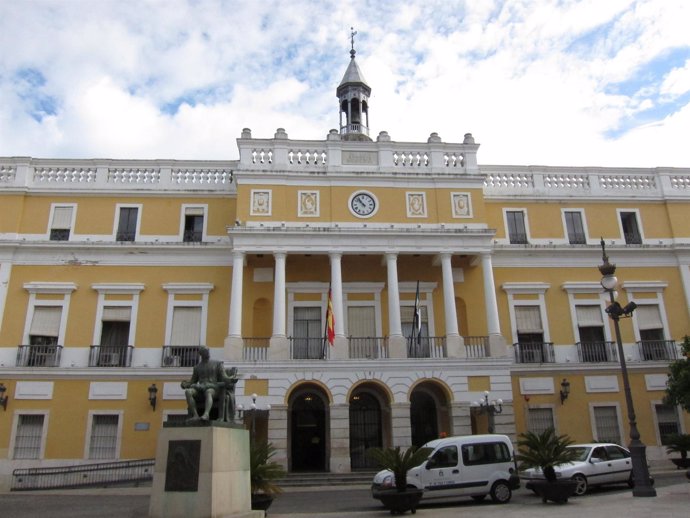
(353,97)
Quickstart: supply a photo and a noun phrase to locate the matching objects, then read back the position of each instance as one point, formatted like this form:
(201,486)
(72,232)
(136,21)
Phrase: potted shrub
(263,473)
(679,443)
(400,498)
(544,451)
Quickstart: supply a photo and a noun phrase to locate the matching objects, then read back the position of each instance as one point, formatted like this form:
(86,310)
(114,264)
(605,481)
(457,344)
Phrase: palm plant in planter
(679,443)
(402,498)
(545,451)
(263,473)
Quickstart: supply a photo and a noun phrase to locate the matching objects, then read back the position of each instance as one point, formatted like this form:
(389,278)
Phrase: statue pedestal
(202,472)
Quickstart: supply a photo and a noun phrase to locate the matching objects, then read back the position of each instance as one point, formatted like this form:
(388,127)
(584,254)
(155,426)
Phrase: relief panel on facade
(308,204)
(460,202)
(416,205)
(261,203)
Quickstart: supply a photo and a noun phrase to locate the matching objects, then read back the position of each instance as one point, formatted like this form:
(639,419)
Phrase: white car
(597,464)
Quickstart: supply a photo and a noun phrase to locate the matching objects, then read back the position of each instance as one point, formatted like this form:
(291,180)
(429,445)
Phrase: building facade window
(193,231)
(127,224)
(28,439)
(103,439)
(630,227)
(61,223)
(606,425)
(517,230)
(593,346)
(668,422)
(540,419)
(308,333)
(575,227)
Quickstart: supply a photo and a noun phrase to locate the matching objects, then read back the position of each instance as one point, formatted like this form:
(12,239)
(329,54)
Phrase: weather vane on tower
(353,33)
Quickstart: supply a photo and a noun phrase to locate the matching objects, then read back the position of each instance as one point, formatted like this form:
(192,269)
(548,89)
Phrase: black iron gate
(365,429)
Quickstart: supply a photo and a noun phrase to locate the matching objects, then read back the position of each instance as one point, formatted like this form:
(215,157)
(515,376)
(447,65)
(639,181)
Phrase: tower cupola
(353,97)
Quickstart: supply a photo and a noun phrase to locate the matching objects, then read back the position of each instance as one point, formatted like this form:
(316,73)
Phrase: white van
(471,465)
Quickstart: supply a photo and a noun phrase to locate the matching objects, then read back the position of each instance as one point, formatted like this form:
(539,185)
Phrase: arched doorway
(366,428)
(307,408)
(429,413)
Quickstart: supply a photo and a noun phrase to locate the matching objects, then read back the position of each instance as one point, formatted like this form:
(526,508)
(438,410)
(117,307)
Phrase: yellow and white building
(113,272)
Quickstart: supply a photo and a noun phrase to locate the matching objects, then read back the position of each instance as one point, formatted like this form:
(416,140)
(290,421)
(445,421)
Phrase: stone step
(317,479)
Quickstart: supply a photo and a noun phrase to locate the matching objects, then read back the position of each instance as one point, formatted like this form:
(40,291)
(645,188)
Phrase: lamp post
(489,408)
(640,471)
(253,409)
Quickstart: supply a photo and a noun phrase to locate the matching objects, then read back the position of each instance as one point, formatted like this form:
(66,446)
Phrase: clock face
(363,204)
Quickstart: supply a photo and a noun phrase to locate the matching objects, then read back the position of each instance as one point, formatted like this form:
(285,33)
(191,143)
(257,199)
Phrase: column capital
(280,255)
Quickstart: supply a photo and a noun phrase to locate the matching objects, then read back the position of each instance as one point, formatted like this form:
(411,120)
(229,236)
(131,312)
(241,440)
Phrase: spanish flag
(330,320)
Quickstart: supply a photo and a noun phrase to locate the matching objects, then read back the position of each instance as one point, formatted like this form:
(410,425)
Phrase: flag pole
(325,327)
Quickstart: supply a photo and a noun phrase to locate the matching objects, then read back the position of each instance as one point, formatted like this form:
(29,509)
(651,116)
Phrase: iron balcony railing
(180,355)
(427,347)
(658,350)
(110,356)
(476,346)
(102,474)
(534,352)
(255,348)
(368,347)
(596,352)
(39,355)
(309,348)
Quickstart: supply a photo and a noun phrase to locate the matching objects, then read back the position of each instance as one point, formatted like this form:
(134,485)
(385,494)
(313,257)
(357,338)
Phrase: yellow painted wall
(153,300)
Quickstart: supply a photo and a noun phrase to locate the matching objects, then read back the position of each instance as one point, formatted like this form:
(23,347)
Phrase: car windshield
(582,452)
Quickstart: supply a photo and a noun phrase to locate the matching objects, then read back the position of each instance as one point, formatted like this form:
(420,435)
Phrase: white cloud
(534,81)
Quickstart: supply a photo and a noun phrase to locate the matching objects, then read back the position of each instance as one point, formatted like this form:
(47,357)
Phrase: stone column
(497,344)
(340,438)
(340,349)
(279,343)
(233,343)
(397,347)
(454,342)
(400,423)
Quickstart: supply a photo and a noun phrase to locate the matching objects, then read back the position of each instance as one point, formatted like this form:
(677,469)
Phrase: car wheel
(478,498)
(581,488)
(500,492)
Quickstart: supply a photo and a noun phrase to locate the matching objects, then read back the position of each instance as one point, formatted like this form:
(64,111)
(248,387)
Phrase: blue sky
(535,81)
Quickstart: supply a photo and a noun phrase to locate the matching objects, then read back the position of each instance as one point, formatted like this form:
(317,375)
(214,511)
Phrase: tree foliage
(678,384)
(262,471)
(545,450)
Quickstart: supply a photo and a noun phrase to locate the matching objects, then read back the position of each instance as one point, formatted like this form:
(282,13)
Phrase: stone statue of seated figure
(210,382)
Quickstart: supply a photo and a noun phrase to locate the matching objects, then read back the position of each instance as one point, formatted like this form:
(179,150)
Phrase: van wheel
(500,492)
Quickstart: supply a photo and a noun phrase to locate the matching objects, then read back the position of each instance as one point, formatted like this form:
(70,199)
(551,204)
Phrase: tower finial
(353,33)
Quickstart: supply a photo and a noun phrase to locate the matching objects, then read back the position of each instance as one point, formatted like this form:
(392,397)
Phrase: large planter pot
(399,502)
(261,502)
(558,491)
(682,463)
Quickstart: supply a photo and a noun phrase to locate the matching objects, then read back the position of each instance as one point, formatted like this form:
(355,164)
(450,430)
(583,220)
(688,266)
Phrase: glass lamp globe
(609,282)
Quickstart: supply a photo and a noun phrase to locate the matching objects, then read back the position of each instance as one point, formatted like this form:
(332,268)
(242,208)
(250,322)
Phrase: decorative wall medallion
(261,203)
(416,205)
(461,205)
(308,203)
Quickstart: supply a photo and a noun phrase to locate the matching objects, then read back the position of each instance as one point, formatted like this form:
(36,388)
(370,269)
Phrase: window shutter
(62,218)
(194,211)
(117,314)
(648,317)
(186,326)
(589,316)
(46,321)
(528,319)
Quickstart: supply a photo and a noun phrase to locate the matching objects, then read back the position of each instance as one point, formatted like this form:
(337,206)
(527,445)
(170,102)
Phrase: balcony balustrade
(39,355)
(110,356)
(368,347)
(534,352)
(180,355)
(597,352)
(476,346)
(657,350)
(427,347)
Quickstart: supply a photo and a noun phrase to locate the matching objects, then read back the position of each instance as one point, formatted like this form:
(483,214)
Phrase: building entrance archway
(308,430)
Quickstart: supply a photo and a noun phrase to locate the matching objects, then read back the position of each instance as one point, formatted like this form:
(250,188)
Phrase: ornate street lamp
(489,408)
(640,471)
(252,410)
